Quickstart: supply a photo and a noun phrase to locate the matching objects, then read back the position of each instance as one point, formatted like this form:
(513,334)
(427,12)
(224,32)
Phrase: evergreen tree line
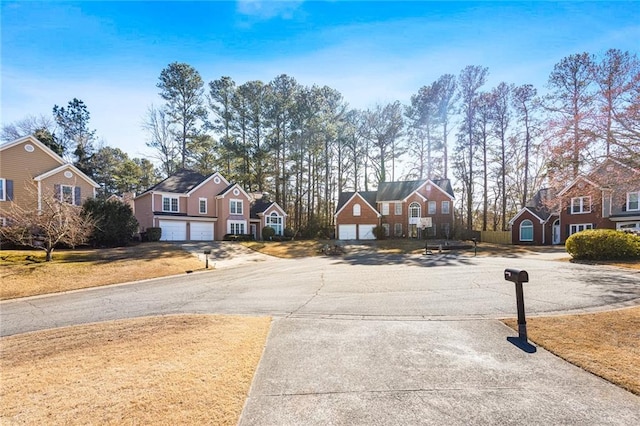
(304,144)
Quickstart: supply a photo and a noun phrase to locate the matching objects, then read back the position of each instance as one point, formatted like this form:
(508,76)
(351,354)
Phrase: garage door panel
(347,232)
(201,231)
(173,230)
(366,232)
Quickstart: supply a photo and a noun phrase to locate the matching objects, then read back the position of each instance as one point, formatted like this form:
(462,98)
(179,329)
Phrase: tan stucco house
(29,170)
(189,206)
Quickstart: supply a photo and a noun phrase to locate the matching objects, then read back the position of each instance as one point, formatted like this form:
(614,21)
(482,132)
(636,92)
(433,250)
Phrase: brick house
(397,207)
(189,206)
(607,197)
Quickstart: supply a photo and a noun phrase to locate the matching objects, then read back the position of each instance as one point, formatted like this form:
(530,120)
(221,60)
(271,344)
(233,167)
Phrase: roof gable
(368,197)
(33,140)
(71,167)
(228,189)
(220,180)
(261,207)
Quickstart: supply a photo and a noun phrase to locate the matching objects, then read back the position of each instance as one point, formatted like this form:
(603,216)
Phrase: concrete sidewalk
(344,372)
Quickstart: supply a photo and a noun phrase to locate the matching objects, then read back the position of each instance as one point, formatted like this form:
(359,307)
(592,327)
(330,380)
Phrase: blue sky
(110,54)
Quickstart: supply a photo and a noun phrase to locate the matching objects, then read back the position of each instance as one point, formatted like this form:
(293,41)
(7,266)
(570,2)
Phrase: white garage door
(366,232)
(173,230)
(347,232)
(201,231)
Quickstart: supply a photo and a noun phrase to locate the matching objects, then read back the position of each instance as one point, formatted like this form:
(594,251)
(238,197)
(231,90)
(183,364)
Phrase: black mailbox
(207,252)
(516,275)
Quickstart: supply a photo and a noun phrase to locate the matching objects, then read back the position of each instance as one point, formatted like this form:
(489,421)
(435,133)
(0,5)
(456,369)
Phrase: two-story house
(607,197)
(398,208)
(29,171)
(189,206)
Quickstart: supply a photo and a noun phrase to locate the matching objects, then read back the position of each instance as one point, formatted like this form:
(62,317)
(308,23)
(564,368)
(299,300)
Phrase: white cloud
(264,10)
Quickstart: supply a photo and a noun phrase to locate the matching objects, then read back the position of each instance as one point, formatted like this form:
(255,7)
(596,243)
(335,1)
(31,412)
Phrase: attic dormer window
(29,148)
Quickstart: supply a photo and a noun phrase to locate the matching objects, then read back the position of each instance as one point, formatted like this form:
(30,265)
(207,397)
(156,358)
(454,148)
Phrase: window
(356,209)
(398,209)
(275,222)
(385,226)
(3,190)
(633,201)
(235,206)
(580,205)
(170,204)
(526,230)
(385,209)
(66,195)
(397,230)
(414,210)
(236,227)
(202,204)
(445,207)
(579,227)
(431,207)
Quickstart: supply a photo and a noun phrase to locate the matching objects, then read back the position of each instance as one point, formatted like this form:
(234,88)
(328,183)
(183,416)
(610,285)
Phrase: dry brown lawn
(160,370)
(25,273)
(604,343)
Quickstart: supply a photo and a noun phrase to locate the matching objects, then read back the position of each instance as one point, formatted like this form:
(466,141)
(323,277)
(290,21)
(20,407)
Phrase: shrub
(268,233)
(603,244)
(114,223)
(378,232)
(154,234)
(289,233)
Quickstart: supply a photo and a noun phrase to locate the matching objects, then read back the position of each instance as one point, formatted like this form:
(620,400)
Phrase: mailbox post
(206,258)
(518,277)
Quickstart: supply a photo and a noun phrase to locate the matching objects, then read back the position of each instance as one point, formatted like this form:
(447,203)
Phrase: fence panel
(497,237)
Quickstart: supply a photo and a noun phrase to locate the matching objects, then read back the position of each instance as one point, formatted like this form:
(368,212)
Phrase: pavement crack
(313,296)
(390,391)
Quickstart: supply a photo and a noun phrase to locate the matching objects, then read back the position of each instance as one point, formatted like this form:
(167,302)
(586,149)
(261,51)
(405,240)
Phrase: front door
(556,232)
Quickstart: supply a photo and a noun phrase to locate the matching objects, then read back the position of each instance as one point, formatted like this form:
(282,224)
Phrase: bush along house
(189,206)
(607,197)
(397,208)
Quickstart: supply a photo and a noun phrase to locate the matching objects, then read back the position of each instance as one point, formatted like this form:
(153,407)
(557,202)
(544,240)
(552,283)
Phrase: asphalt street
(383,339)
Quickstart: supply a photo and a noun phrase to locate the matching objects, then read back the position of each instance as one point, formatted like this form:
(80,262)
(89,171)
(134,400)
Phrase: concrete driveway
(384,339)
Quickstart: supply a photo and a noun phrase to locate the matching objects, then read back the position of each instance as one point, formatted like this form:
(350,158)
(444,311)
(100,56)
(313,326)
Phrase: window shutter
(56,190)
(9,187)
(77,195)
(569,210)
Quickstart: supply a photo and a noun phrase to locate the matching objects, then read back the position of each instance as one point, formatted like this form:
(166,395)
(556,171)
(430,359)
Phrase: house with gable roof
(189,206)
(397,207)
(536,223)
(29,171)
(607,197)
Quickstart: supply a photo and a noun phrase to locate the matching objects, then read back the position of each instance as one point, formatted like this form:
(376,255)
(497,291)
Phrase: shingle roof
(539,204)
(395,191)
(369,197)
(260,206)
(180,182)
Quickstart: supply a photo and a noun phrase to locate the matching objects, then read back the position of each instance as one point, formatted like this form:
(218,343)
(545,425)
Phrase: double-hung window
(202,205)
(580,205)
(170,204)
(633,201)
(431,207)
(398,209)
(397,230)
(3,190)
(385,209)
(445,207)
(66,194)
(235,207)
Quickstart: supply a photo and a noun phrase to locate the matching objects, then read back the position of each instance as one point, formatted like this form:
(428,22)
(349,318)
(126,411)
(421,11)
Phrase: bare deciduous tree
(55,223)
